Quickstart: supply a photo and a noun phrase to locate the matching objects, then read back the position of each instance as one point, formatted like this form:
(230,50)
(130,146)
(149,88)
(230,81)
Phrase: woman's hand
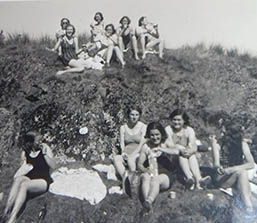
(124,156)
(186,153)
(220,170)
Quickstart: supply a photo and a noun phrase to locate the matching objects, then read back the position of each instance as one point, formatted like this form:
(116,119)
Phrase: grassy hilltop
(210,83)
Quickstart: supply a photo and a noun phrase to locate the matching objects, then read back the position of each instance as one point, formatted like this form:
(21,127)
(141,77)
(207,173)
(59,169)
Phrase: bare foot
(60,72)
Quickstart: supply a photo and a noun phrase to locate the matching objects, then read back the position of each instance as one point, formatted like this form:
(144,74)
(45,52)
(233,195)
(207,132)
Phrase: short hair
(29,140)
(133,107)
(125,17)
(158,126)
(110,25)
(141,20)
(63,19)
(70,25)
(181,112)
(100,14)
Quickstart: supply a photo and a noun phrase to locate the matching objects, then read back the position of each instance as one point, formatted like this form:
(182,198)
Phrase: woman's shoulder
(168,129)
(189,130)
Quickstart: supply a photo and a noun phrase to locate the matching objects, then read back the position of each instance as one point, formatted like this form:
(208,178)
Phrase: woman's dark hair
(182,113)
(70,25)
(141,20)
(125,17)
(100,14)
(234,131)
(158,126)
(110,25)
(133,107)
(29,140)
(65,19)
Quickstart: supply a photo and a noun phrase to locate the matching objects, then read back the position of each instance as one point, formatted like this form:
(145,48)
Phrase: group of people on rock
(105,41)
(153,153)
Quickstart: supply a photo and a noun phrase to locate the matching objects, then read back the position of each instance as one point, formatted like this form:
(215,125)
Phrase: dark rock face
(209,84)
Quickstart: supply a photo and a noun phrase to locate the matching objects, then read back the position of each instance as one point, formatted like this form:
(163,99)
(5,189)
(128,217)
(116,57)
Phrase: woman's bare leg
(142,41)
(121,45)
(28,186)
(194,166)
(146,181)
(184,164)
(76,66)
(134,46)
(118,164)
(119,55)
(244,189)
(155,42)
(109,53)
(132,163)
(157,183)
(13,193)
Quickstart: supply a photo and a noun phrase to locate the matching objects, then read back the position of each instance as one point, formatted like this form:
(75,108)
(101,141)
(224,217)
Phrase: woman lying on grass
(231,160)
(182,137)
(33,177)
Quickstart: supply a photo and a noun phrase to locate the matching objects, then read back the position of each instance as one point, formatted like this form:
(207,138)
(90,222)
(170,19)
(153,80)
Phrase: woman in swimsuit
(131,135)
(60,33)
(126,35)
(231,160)
(157,174)
(97,28)
(107,44)
(182,137)
(69,48)
(149,36)
(33,177)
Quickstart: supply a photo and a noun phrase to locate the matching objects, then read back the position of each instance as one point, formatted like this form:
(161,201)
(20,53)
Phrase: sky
(232,23)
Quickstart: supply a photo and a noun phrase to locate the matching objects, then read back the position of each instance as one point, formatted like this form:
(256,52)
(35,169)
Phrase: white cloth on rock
(78,183)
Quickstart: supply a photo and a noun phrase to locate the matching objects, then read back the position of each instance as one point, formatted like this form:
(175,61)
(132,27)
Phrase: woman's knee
(117,159)
(145,177)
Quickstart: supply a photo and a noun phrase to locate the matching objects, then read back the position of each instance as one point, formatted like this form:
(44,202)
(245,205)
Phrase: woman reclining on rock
(33,177)
(231,160)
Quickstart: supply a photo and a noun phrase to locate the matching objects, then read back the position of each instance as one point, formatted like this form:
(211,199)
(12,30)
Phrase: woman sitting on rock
(97,28)
(60,33)
(33,177)
(69,49)
(182,137)
(131,138)
(156,167)
(231,160)
(149,37)
(126,35)
(107,44)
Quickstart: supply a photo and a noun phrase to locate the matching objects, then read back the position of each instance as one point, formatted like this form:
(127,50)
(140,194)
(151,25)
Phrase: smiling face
(155,137)
(109,30)
(69,31)
(64,24)
(125,22)
(134,116)
(98,17)
(177,122)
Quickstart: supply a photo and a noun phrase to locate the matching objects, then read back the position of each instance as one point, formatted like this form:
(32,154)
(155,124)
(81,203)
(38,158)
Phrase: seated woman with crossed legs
(32,177)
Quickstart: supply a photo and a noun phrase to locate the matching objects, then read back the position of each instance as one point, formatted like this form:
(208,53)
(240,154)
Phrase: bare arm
(122,135)
(57,45)
(48,155)
(143,140)
(76,44)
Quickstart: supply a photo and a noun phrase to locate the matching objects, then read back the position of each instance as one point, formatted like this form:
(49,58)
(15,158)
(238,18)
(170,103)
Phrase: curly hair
(141,20)
(133,107)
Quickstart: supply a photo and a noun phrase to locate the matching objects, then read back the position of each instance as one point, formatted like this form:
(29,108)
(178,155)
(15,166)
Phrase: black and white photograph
(137,111)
